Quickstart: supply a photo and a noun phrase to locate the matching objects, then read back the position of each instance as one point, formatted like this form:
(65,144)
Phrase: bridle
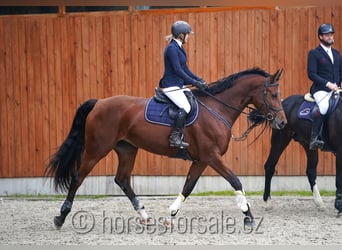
(269,116)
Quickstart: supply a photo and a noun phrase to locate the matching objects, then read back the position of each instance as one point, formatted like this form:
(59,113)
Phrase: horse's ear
(277,75)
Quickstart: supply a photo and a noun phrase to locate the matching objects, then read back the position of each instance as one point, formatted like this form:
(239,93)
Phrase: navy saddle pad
(158,113)
(305,108)
(304,111)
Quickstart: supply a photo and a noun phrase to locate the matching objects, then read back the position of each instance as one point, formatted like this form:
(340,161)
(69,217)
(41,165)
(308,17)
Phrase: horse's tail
(66,162)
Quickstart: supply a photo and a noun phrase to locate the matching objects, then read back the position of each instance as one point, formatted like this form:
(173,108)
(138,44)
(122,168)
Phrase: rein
(268,116)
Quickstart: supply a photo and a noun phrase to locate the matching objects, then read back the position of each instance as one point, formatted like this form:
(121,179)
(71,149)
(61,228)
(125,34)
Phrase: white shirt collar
(178,42)
(326,48)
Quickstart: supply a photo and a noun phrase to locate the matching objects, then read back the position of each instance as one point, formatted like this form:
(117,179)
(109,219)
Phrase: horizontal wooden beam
(280,3)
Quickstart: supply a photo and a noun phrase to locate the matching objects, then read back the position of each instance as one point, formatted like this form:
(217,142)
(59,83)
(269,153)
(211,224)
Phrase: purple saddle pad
(304,110)
(158,113)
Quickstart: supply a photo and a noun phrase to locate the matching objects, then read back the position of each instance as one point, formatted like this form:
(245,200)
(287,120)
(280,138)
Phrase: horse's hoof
(268,206)
(58,222)
(320,206)
(249,222)
(339,215)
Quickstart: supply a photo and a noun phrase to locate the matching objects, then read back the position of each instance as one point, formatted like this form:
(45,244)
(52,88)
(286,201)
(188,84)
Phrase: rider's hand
(202,85)
(332,86)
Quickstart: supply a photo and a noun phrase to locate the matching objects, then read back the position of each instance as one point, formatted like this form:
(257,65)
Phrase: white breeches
(322,99)
(178,97)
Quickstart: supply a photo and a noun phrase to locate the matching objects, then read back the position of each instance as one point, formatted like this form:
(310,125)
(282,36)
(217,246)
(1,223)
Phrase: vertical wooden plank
(213,46)
(24,124)
(158,42)
(92,56)
(149,84)
(114,54)
(3,141)
(228,48)
(220,46)
(86,58)
(117,56)
(3,112)
(129,82)
(37,97)
(51,84)
(17,147)
(107,84)
(142,25)
(10,96)
(30,30)
(79,60)
(58,89)
(101,167)
(45,97)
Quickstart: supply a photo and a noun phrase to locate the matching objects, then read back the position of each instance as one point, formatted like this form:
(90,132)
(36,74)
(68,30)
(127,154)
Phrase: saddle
(304,111)
(161,110)
(160,97)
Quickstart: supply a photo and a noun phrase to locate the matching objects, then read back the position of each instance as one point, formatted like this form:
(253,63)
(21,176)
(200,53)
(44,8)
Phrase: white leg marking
(241,200)
(317,197)
(175,206)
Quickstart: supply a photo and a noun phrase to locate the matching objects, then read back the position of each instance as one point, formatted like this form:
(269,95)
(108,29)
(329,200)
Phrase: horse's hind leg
(126,155)
(76,181)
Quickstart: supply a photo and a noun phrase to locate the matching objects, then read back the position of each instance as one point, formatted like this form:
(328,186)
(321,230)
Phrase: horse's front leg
(279,141)
(193,175)
(218,165)
(311,173)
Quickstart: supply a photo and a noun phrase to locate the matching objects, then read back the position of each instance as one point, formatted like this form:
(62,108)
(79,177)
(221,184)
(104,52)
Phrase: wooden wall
(50,64)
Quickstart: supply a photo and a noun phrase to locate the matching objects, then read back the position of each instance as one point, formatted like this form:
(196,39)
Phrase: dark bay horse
(117,123)
(300,130)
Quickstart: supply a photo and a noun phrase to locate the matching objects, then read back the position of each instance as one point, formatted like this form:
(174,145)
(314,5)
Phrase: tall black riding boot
(316,130)
(176,137)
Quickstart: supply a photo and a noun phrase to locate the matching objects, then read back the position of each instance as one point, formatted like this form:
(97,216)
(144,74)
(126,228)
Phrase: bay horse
(118,123)
(300,130)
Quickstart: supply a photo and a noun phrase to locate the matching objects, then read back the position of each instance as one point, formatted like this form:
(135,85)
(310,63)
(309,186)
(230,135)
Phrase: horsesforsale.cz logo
(83,222)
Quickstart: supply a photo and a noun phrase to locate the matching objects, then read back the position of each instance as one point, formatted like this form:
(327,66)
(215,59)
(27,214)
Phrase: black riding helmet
(325,29)
(180,27)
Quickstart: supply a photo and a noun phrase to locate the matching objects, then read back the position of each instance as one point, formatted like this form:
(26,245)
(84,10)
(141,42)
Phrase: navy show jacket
(176,72)
(321,69)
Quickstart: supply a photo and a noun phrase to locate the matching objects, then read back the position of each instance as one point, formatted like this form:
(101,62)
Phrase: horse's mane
(227,82)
